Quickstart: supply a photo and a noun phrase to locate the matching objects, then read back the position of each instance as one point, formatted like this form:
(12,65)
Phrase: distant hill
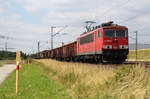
(140,46)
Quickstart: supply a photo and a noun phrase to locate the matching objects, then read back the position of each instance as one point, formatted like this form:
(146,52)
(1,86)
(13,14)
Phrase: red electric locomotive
(107,42)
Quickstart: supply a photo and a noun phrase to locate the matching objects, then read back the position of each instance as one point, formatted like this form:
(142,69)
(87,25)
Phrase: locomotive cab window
(121,33)
(87,39)
(109,33)
(99,33)
(115,33)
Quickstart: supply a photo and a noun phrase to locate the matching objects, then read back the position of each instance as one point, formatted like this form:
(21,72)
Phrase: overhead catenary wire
(122,5)
(110,9)
(132,18)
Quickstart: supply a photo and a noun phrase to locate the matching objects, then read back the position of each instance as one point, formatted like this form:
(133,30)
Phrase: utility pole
(6,46)
(38,48)
(136,47)
(52,27)
(52,35)
(62,43)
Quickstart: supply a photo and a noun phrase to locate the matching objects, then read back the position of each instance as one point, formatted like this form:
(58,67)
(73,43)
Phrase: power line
(131,18)
(126,20)
(110,10)
(134,17)
(131,37)
(52,35)
(5,37)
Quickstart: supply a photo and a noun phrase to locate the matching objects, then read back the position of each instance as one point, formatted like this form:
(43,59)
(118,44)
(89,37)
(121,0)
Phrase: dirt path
(5,71)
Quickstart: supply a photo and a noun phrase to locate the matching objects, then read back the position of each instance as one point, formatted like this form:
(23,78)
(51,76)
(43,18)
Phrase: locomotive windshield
(120,33)
(114,33)
(109,33)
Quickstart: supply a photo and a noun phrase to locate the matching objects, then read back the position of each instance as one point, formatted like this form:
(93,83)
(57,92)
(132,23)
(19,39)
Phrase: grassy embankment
(143,55)
(2,62)
(87,81)
(33,84)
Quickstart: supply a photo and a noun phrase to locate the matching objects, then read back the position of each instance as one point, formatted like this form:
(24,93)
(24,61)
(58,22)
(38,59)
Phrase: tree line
(8,55)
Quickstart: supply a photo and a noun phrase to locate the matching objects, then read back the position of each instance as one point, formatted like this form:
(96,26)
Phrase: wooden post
(28,61)
(18,61)
(17,77)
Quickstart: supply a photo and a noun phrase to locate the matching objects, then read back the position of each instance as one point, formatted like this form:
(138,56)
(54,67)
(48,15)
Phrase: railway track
(108,64)
(127,62)
(146,64)
(143,63)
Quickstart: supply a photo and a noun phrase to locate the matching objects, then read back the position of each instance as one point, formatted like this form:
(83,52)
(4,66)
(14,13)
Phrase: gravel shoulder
(5,70)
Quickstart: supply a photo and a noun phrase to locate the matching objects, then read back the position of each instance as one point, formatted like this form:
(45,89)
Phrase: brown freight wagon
(49,54)
(45,54)
(53,53)
(60,53)
(67,52)
(57,53)
(70,51)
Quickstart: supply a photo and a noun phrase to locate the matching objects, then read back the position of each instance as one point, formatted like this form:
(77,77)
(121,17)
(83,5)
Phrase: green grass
(87,81)
(82,80)
(142,55)
(1,63)
(33,84)
(129,82)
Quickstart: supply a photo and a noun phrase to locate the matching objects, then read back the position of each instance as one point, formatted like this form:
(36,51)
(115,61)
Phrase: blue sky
(29,21)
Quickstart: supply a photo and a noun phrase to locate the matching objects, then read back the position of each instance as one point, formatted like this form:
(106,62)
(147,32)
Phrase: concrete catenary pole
(52,27)
(38,48)
(136,47)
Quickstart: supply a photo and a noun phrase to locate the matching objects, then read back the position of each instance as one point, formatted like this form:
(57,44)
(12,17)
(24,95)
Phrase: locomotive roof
(103,25)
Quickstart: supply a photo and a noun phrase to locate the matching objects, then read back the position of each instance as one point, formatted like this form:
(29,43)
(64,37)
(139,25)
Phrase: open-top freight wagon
(106,42)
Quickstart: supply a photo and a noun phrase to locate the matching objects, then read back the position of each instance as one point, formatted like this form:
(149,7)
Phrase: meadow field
(92,81)
(142,55)
(34,83)
(51,79)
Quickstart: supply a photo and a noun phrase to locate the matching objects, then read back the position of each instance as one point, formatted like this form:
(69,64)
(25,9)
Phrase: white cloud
(144,20)
(34,5)
(1,10)
(24,36)
(137,4)
(65,18)
(67,12)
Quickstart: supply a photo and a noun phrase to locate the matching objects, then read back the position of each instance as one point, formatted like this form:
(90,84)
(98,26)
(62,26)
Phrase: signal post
(18,61)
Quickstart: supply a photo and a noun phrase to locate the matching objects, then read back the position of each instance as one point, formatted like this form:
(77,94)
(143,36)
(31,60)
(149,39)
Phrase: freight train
(107,42)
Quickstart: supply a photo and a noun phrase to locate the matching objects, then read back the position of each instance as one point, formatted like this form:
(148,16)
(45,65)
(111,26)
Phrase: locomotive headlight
(123,46)
(107,46)
(126,46)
